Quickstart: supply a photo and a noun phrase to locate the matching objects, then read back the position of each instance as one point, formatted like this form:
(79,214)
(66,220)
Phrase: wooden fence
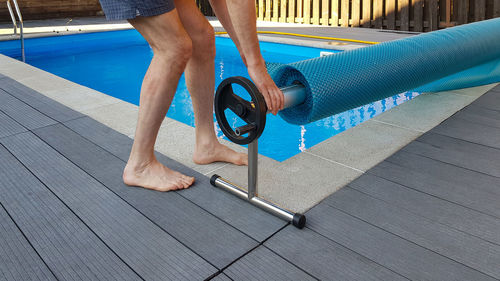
(47,9)
(407,15)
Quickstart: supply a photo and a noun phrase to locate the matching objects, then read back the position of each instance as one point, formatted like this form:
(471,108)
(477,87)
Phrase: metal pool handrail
(21,24)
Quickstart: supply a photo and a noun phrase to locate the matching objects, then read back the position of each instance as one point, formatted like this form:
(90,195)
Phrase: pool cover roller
(452,58)
(459,57)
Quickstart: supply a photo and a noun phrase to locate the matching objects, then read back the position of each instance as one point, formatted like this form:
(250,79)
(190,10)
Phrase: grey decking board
(325,259)
(263,264)
(38,101)
(490,100)
(221,277)
(68,247)
(238,213)
(458,152)
(456,245)
(202,232)
(480,115)
(116,143)
(18,260)
(387,249)
(465,187)
(464,219)
(146,248)
(469,131)
(9,126)
(22,113)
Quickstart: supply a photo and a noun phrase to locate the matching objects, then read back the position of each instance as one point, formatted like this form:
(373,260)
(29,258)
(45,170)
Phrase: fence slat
(344,9)
(325,16)
(356,12)
(283,10)
(378,7)
(291,11)
(418,15)
(404,6)
(268,10)
(315,19)
(307,11)
(335,13)
(462,11)
(300,9)
(367,8)
(275,10)
(496,8)
(261,9)
(479,10)
(433,15)
(390,13)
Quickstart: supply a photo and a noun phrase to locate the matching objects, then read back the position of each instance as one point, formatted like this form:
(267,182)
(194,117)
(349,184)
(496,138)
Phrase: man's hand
(239,19)
(272,94)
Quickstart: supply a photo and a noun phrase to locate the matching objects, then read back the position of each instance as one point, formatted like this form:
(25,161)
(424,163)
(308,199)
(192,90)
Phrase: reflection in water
(302,145)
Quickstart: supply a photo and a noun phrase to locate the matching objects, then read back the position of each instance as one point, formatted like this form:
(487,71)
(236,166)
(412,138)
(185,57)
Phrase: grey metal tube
(259,202)
(21,24)
(14,24)
(294,95)
(253,159)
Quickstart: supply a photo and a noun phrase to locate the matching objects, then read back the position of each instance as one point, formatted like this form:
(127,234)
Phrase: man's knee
(178,51)
(204,42)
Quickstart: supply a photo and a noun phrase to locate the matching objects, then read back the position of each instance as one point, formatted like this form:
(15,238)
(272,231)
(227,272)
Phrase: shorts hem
(140,12)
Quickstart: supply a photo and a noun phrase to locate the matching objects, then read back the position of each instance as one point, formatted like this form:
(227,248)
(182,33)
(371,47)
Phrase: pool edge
(326,167)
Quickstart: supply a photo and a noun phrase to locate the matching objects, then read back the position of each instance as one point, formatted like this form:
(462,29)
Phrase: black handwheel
(252,112)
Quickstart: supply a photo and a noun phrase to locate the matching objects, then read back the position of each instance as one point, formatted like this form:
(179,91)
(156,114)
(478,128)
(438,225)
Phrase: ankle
(139,164)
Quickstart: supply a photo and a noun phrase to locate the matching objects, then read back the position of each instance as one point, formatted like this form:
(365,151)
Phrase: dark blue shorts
(129,9)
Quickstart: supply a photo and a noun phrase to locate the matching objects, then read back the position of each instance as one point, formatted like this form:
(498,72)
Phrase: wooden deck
(429,212)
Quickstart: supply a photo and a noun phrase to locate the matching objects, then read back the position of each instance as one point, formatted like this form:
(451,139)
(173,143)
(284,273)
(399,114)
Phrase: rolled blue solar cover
(452,58)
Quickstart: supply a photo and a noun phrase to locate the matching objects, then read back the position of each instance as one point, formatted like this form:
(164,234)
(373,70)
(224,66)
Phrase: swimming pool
(96,60)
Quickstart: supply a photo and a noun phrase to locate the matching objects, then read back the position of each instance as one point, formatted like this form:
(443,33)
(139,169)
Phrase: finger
(268,100)
(282,97)
(276,102)
(279,96)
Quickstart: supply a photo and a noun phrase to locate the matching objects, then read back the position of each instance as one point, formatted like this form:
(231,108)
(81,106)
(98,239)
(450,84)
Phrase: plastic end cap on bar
(299,220)
(213,179)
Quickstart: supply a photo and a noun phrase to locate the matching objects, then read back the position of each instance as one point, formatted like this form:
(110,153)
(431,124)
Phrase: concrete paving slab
(475,91)
(365,145)
(298,183)
(425,111)
(120,116)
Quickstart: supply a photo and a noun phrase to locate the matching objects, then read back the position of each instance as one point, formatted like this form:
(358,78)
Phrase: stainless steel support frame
(21,24)
(294,95)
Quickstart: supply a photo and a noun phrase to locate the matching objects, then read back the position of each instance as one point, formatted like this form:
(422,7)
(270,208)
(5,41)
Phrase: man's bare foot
(216,152)
(154,175)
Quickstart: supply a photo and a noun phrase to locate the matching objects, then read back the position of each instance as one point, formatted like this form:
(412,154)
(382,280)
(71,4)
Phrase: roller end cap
(299,220)
(213,178)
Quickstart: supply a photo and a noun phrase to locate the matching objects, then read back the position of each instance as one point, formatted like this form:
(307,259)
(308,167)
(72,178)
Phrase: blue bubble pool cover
(453,58)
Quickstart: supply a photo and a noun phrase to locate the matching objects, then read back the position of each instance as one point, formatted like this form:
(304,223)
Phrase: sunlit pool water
(115,63)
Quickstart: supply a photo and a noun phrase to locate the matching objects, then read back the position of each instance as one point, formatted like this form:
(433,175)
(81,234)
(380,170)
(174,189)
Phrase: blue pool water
(115,63)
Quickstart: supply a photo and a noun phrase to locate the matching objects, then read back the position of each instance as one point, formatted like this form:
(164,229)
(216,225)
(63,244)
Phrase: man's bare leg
(172,49)
(200,81)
